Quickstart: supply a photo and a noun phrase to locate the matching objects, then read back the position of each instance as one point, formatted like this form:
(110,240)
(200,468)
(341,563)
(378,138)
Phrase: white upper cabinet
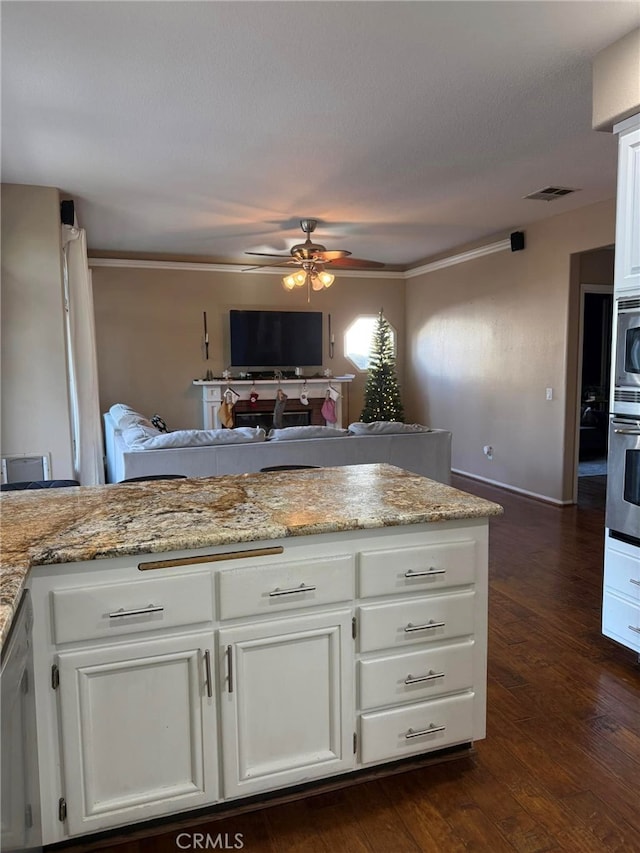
(627,263)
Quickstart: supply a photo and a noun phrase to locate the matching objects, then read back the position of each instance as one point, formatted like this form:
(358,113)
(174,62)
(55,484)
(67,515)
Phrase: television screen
(278,339)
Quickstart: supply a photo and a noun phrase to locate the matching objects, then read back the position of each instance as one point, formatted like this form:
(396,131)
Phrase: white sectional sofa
(427,453)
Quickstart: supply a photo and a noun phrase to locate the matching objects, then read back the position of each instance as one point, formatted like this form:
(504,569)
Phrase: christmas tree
(381,393)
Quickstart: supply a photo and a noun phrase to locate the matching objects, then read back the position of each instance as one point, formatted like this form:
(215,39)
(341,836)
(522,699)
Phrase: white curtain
(88,461)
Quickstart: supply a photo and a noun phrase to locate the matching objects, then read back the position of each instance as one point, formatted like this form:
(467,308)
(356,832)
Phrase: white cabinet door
(138,730)
(287,704)
(627,259)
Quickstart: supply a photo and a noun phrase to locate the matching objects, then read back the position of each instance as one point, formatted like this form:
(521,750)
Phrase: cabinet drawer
(621,620)
(256,591)
(416,620)
(415,676)
(416,728)
(622,573)
(110,610)
(416,569)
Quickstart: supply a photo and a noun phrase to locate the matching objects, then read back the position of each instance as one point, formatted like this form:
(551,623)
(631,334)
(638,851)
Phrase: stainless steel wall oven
(623,479)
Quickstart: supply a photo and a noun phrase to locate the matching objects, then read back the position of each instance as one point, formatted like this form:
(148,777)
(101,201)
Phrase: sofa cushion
(140,437)
(385,428)
(124,416)
(298,432)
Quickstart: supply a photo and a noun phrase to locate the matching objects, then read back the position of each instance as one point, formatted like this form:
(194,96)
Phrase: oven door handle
(629,426)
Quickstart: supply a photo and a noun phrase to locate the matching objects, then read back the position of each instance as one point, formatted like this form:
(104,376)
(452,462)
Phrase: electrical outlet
(549,393)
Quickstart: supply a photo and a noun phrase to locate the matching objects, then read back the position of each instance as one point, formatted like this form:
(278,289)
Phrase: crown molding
(125,263)
(452,260)
(460,258)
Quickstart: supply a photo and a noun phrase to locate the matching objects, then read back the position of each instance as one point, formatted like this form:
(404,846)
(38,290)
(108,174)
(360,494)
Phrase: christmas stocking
(328,410)
(225,412)
(281,402)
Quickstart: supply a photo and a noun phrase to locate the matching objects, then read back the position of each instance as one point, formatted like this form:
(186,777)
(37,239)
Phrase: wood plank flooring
(560,768)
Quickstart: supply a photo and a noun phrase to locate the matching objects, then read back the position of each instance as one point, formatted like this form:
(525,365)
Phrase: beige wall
(149,330)
(616,82)
(35,405)
(597,267)
(487,337)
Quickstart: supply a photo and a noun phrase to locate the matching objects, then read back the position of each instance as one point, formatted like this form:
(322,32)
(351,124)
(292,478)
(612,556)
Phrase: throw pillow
(385,428)
(158,423)
(142,438)
(291,433)
(124,416)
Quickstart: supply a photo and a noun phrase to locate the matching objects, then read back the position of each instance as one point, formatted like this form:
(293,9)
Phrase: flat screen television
(278,339)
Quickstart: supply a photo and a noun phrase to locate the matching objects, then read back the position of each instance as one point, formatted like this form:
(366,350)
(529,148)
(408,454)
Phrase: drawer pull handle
(412,573)
(430,731)
(301,588)
(633,580)
(207,672)
(637,630)
(410,679)
(118,614)
(410,627)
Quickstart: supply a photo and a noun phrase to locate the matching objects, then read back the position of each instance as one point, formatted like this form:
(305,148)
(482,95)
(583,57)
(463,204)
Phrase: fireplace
(316,389)
(265,419)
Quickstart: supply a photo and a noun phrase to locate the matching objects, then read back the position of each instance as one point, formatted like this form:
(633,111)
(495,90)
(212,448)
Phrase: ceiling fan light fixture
(289,282)
(326,278)
(320,279)
(311,258)
(294,279)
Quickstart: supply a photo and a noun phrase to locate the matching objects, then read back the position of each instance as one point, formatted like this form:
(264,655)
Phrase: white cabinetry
(128,722)
(422,662)
(303,658)
(287,701)
(621,597)
(621,592)
(138,730)
(627,260)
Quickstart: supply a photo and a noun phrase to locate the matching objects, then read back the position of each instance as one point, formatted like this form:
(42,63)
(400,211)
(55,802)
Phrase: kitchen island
(201,641)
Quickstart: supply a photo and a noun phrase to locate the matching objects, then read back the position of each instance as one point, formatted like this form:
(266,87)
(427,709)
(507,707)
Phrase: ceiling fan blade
(355,263)
(286,263)
(268,255)
(334,255)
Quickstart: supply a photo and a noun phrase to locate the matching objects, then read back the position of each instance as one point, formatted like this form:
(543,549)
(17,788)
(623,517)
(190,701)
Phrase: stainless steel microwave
(626,391)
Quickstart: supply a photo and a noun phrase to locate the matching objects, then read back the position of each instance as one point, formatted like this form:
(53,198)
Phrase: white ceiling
(210,128)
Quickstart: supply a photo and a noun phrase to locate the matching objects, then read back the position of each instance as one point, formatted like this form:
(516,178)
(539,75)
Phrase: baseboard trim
(544,498)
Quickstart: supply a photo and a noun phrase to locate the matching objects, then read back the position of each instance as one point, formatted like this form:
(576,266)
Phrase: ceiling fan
(311,259)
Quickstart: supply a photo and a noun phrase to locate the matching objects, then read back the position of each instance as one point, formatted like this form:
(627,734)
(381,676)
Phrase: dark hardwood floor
(560,767)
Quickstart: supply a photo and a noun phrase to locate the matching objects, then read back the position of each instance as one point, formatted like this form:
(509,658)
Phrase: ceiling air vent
(551,193)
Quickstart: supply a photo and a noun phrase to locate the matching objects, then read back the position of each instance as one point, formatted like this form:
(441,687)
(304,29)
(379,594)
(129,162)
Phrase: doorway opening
(590,331)
(597,312)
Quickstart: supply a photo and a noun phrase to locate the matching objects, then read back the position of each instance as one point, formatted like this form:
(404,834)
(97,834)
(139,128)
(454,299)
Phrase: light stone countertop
(69,525)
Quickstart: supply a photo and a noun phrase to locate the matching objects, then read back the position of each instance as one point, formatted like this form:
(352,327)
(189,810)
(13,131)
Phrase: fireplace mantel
(213,393)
